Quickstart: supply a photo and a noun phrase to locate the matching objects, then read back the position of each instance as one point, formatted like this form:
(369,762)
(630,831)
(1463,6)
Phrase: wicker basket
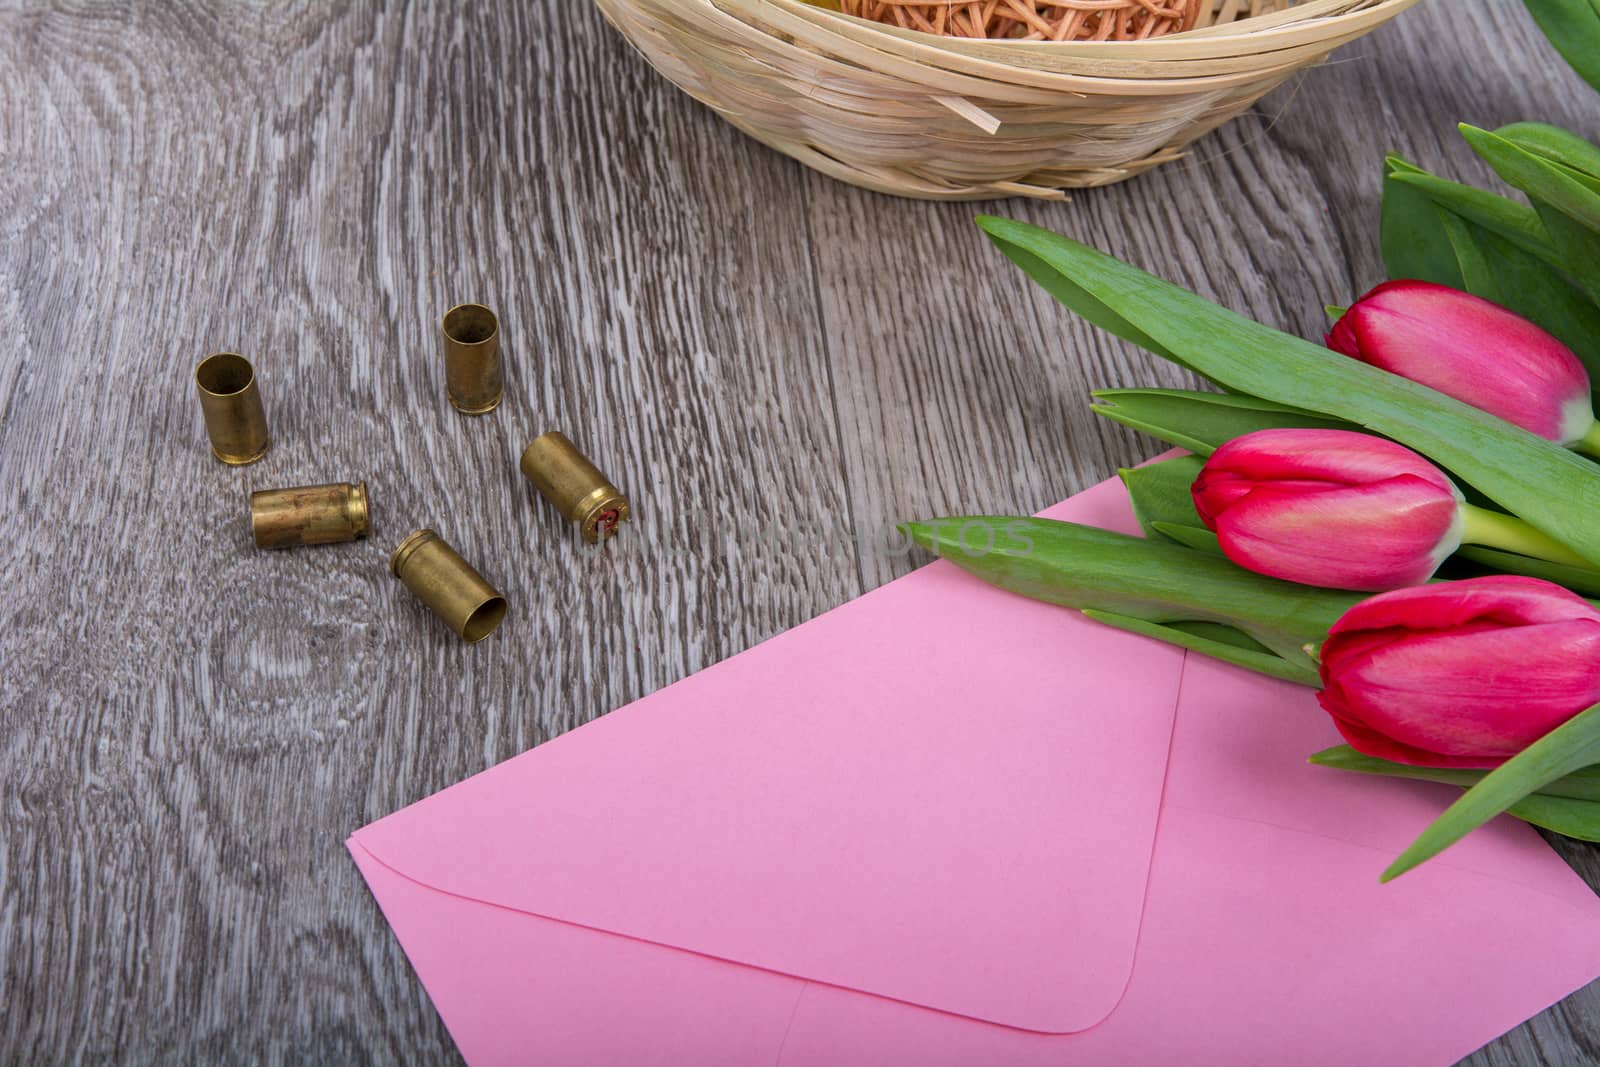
(946,118)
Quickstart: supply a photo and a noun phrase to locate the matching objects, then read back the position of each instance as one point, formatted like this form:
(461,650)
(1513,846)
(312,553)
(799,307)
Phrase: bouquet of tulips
(1405,517)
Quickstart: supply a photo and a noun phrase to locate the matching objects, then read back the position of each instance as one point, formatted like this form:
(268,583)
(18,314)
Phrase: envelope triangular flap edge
(937,793)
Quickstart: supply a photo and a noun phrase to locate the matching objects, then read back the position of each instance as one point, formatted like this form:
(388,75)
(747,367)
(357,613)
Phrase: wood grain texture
(775,366)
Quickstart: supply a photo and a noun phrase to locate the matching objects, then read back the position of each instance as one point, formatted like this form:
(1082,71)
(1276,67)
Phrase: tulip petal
(1341,457)
(1461,674)
(1505,599)
(1372,537)
(1371,743)
(1489,693)
(1329,507)
(1470,349)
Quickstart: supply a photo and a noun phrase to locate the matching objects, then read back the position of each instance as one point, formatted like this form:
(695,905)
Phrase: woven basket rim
(985,69)
(949,118)
(1304,22)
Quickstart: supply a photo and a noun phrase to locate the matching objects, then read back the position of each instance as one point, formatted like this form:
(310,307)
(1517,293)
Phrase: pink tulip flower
(1329,507)
(1475,351)
(1461,674)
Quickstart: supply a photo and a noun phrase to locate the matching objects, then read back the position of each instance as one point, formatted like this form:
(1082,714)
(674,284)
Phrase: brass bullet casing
(230,400)
(472,372)
(575,486)
(448,585)
(310,515)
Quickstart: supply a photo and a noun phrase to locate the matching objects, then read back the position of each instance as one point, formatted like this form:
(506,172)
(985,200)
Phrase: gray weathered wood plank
(765,359)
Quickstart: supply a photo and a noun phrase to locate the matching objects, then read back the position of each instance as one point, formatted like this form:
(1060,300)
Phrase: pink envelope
(946,825)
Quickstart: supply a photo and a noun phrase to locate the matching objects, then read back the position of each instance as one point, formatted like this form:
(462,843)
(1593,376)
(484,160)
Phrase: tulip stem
(1589,443)
(1507,532)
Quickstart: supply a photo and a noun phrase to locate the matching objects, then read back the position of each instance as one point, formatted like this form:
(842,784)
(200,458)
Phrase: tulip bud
(1473,350)
(1329,507)
(1460,674)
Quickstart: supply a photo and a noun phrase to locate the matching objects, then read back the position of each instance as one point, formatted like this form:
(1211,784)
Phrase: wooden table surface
(778,367)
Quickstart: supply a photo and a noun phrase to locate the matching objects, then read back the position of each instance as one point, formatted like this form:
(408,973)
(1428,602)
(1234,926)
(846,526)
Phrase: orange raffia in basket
(1033,20)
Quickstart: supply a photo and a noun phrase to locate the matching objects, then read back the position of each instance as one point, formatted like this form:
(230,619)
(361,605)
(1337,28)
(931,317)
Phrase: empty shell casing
(575,486)
(310,515)
(230,400)
(472,372)
(448,585)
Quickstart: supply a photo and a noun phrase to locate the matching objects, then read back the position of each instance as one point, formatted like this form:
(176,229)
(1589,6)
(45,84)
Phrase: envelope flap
(981,845)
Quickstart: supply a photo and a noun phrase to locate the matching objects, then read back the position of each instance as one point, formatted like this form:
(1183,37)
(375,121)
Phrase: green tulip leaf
(1201,422)
(1568,806)
(1539,481)
(1555,144)
(1573,27)
(1413,243)
(1578,579)
(1150,580)
(1160,491)
(1545,180)
(1567,200)
(1583,784)
(1099,313)
(1130,418)
(1579,246)
(1568,748)
(1215,632)
(1516,222)
(1219,643)
(1579,819)
(1196,537)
